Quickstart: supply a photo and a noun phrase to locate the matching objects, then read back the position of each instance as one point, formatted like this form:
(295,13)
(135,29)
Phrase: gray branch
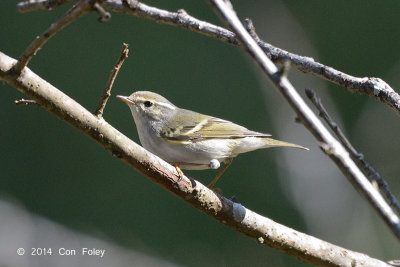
(75,12)
(371,86)
(374,176)
(32,5)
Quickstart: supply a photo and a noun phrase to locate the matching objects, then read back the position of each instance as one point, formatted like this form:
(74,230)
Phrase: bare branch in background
(24,102)
(75,12)
(234,215)
(355,155)
(371,86)
(329,144)
(32,5)
(107,92)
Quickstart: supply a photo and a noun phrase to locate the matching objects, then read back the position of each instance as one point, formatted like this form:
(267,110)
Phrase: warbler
(191,140)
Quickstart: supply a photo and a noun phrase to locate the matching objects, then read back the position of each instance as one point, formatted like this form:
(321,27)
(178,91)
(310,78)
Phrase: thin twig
(25,102)
(355,155)
(32,5)
(107,92)
(234,215)
(75,12)
(104,16)
(284,69)
(248,23)
(329,144)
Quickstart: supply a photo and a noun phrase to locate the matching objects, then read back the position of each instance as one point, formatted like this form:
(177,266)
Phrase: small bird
(191,140)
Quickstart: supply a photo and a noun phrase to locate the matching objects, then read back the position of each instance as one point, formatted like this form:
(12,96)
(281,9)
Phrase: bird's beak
(125,99)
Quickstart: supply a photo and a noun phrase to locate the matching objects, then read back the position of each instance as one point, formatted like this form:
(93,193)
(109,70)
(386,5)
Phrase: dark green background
(56,172)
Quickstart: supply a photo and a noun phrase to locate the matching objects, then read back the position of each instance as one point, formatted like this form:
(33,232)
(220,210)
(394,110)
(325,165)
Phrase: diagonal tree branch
(234,215)
(75,12)
(355,155)
(329,144)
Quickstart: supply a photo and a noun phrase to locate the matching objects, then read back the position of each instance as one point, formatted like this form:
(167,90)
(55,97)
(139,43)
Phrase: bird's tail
(276,143)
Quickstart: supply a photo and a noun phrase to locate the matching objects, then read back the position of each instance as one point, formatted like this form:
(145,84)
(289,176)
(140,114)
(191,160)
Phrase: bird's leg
(226,165)
(180,172)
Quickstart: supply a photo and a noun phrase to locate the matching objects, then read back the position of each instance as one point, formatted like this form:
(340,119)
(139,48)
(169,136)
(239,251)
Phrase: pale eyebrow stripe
(167,105)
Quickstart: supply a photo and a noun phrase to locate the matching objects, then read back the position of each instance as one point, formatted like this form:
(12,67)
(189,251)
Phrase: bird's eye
(148,104)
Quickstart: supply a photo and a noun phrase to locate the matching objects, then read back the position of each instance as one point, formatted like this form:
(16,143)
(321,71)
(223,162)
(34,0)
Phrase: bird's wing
(196,127)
